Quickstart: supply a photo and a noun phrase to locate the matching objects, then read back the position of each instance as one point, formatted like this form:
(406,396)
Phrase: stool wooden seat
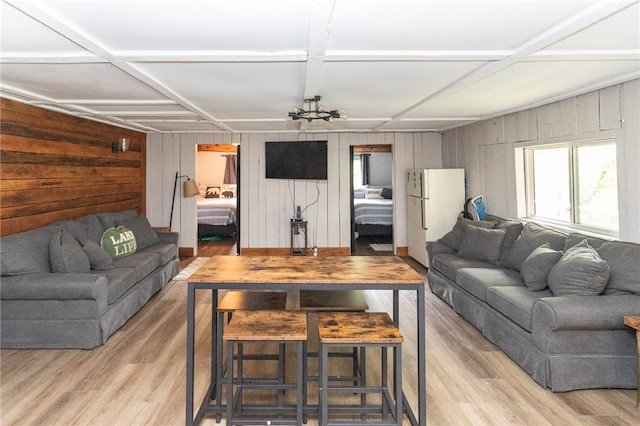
(251,300)
(242,300)
(361,330)
(265,326)
(314,301)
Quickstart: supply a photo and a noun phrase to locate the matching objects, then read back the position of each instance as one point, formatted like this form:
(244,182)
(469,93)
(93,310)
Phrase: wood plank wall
(55,166)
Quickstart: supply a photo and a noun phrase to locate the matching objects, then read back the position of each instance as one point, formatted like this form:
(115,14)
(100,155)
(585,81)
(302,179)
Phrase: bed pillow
(387,193)
(228,191)
(145,235)
(536,267)
(373,193)
(482,244)
(212,192)
(580,271)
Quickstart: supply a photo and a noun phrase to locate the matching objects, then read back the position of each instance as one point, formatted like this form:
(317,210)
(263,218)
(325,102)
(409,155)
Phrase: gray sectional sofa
(554,303)
(60,287)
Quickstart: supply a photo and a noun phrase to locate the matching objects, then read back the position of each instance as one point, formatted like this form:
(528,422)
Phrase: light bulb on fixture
(315,112)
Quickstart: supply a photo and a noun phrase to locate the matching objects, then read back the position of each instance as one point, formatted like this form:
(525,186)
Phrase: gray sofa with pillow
(72,284)
(554,303)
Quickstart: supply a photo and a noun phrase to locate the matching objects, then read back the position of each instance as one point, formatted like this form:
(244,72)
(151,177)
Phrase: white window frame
(526,194)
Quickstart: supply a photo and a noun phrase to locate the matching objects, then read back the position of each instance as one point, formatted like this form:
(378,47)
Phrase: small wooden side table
(634,322)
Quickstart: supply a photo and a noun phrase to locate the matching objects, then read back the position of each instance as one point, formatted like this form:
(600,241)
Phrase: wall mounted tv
(296,160)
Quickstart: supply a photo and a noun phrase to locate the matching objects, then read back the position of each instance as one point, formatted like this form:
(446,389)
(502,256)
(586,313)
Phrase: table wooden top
(633,322)
(306,269)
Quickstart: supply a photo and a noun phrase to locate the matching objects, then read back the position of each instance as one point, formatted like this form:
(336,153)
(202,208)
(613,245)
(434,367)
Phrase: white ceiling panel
(444,25)
(619,31)
(240,66)
(246,90)
(21,34)
(387,87)
(536,82)
(178,26)
(76,81)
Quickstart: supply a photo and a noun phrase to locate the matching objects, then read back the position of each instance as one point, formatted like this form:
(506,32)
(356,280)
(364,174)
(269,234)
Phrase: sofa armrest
(436,247)
(55,287)
(168,237)
(583,312)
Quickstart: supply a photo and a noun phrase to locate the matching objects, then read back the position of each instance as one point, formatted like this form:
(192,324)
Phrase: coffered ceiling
(240,66)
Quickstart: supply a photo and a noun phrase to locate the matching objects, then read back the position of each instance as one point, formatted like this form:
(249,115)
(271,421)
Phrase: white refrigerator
(435,199)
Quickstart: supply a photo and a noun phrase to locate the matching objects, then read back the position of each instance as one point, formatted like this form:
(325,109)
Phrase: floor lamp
(189,189)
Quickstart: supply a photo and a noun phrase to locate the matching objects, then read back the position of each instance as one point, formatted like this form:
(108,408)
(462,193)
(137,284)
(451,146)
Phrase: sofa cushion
(448,264)
(164,251)
(109,220)
(93,227)
(512,229)
(119,242)
(145,235)
(477,280)
(536,267)
(143,263)
(26,252)
(453,238)
(66,254)
(532,237)
(74,228)
(120,280)
(580,271)
(622,258)
(98,258)
(515,303)
(482,244)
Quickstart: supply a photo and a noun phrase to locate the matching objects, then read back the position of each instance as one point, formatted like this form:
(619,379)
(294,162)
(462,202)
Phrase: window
(574,184)
(357,171)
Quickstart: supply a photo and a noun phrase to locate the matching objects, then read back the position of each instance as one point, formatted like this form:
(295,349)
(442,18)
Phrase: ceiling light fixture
(317,113)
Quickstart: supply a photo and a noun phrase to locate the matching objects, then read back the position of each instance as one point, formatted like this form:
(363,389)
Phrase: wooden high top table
(294,273)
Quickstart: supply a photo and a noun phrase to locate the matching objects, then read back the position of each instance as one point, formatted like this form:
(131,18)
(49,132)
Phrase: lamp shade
(190,188)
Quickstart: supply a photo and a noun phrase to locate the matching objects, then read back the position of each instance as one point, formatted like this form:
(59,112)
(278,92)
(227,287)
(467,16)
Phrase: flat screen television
(296,160)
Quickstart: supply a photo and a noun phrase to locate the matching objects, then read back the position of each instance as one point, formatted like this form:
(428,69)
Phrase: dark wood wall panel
(55,167)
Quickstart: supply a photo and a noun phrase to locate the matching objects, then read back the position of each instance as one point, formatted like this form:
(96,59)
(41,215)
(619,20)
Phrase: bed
(216,217)
(373,216)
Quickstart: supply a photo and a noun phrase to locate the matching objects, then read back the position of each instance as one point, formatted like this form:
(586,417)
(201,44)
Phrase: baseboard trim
(272,251)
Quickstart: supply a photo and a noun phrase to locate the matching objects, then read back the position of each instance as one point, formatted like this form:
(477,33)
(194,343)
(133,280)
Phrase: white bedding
(373,211)
(217,211)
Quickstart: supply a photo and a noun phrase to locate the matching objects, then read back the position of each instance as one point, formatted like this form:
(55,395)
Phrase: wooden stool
(361,330)
(250,300)
(315,301)
(260,327)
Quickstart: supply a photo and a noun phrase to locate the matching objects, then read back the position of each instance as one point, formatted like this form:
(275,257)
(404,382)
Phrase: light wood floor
(138,377)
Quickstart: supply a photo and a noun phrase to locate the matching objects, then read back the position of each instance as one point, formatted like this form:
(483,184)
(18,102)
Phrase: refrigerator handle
(423,216)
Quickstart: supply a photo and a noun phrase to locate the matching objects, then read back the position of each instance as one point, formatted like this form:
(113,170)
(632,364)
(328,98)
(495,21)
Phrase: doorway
(218,209)
(372,205)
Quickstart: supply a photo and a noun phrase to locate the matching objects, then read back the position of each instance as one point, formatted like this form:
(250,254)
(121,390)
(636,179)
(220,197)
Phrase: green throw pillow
(119,242)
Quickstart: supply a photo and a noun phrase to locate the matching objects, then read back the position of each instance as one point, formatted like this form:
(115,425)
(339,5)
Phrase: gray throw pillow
(453,238)
(98,258)
(580,271)
(482,244)
(145,235)
(66,254)
(531,237)
(536,267)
